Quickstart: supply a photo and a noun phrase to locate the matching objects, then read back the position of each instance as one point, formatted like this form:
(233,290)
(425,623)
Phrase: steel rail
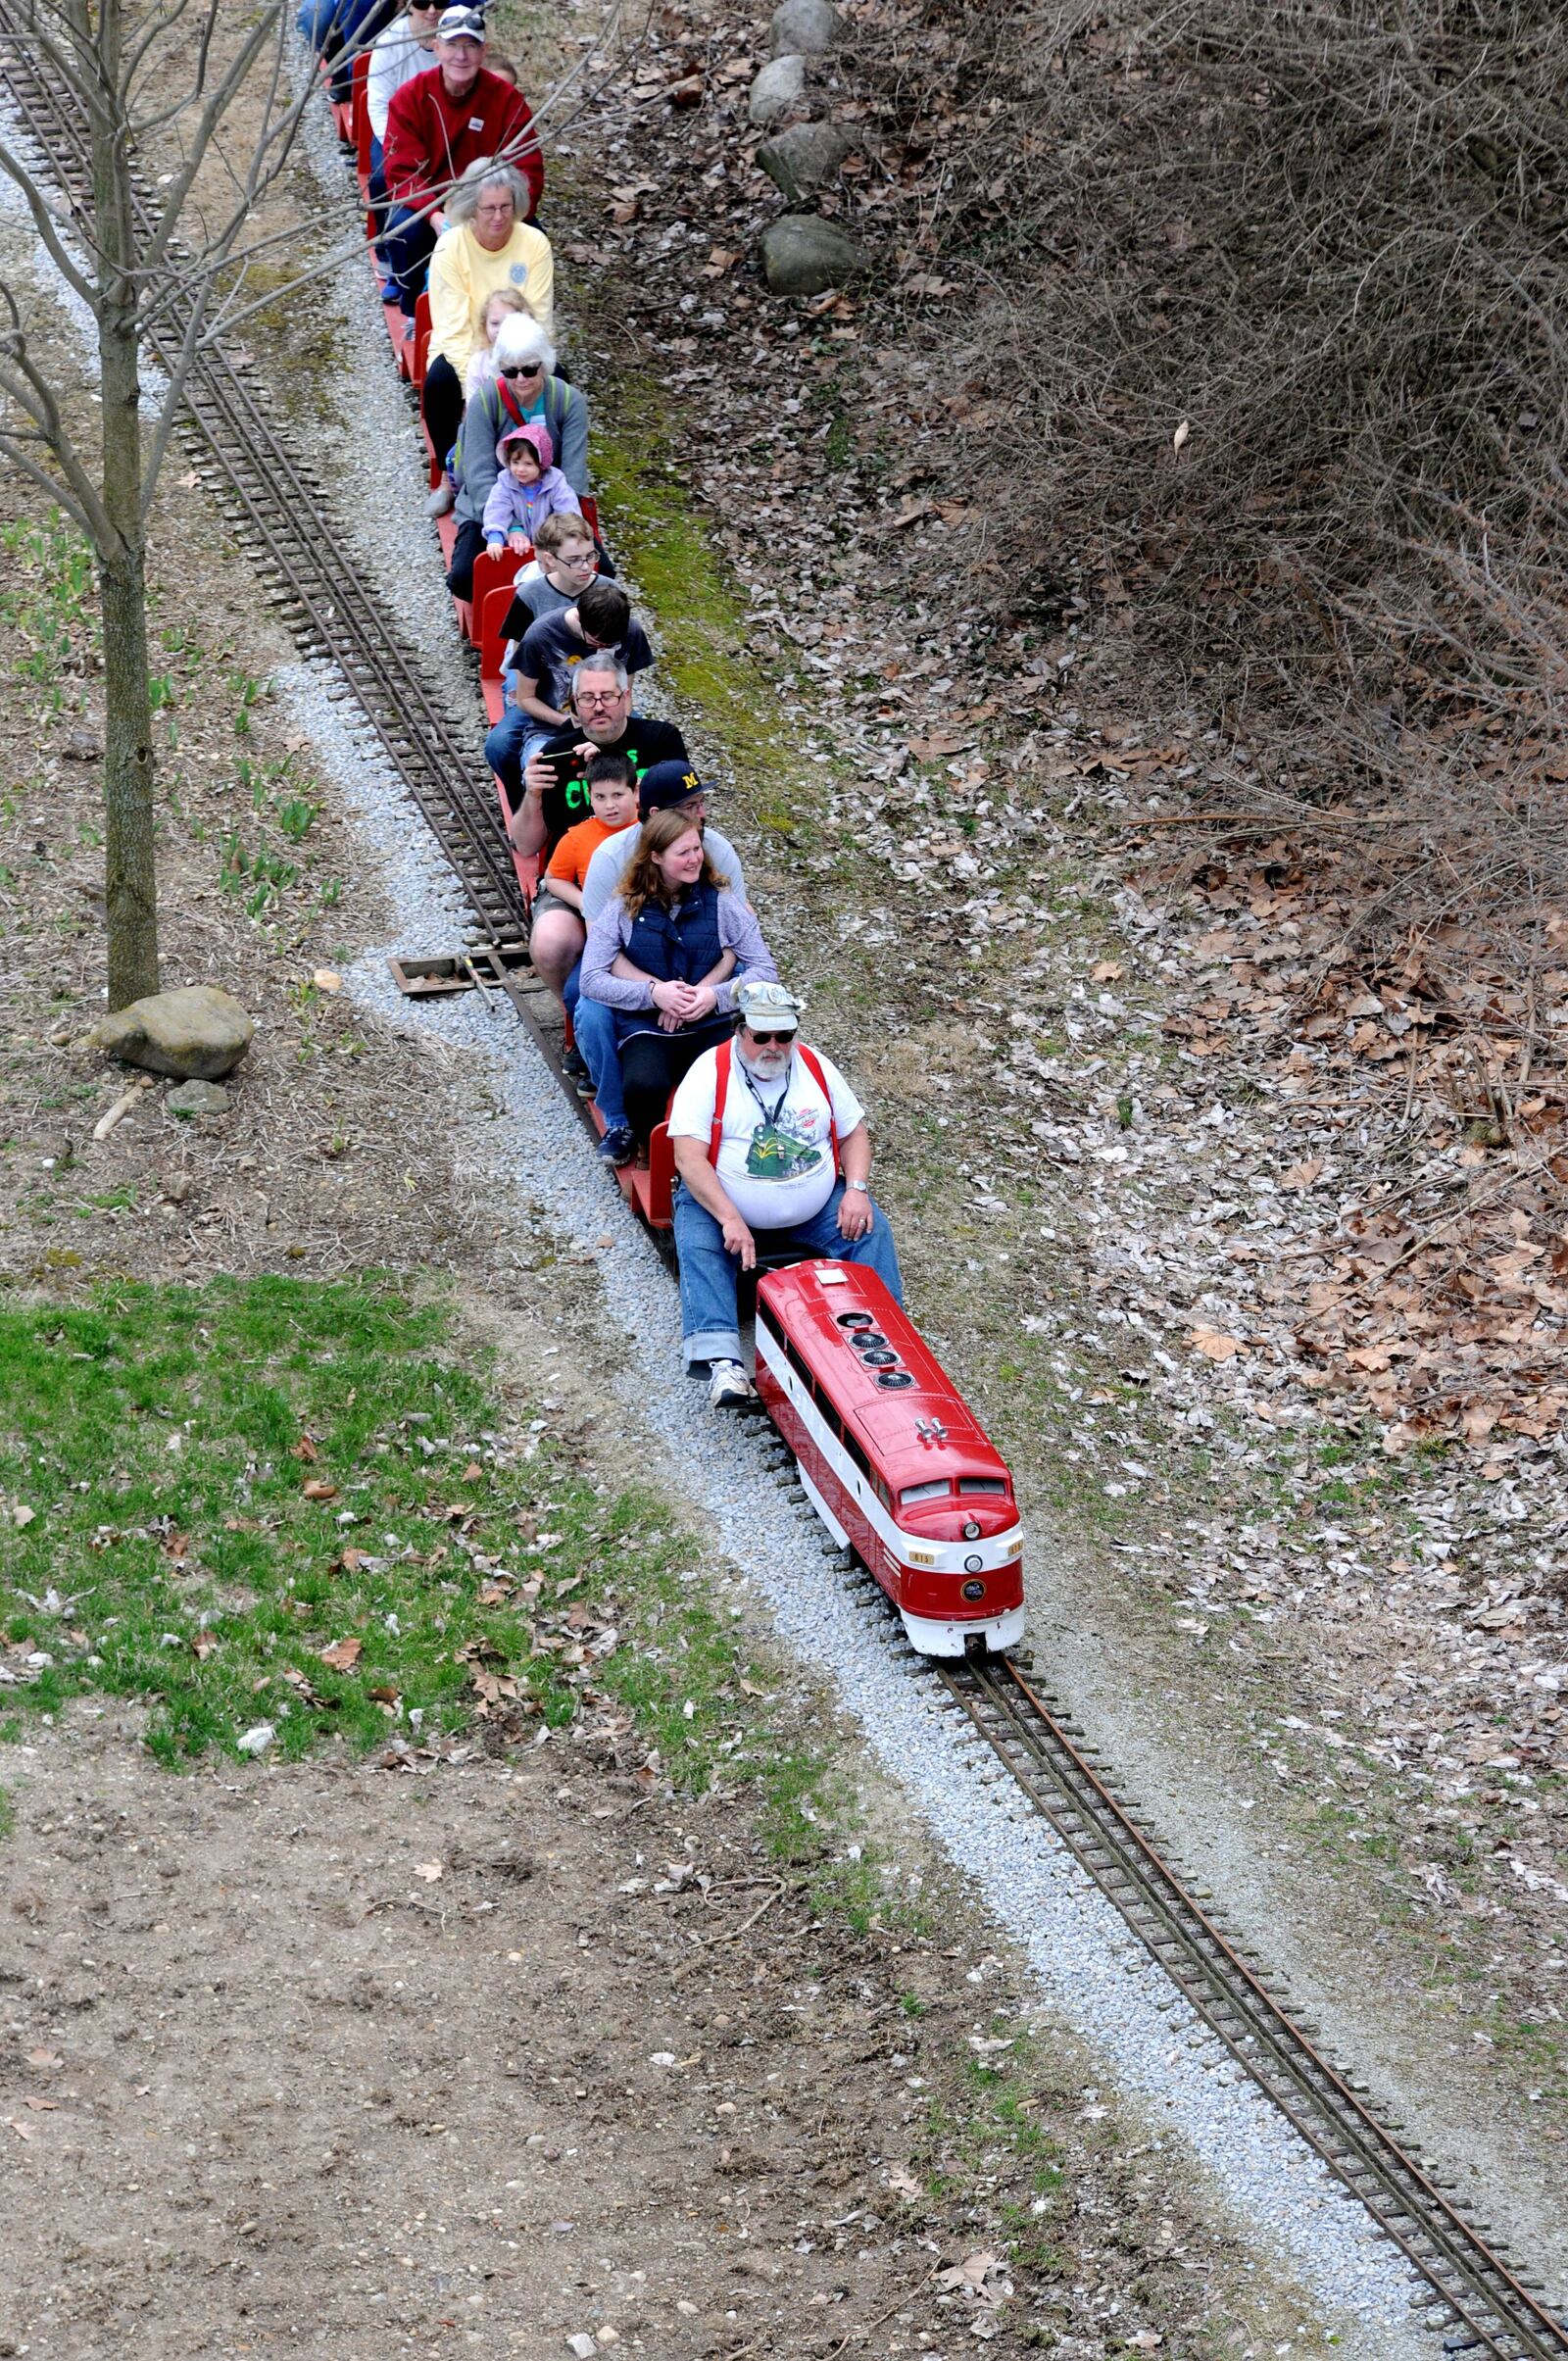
(337,613)
(1478,2290)
(283,513)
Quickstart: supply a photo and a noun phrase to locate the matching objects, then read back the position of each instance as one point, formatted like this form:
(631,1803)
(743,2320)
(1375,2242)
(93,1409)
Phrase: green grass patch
(287,1503)
(276,1501)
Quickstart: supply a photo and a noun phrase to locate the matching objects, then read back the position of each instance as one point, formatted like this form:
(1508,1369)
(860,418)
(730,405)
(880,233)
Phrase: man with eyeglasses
(773,1151)
(542,665)
(437,124)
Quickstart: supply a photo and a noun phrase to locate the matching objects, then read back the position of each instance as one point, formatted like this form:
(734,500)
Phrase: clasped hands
(682,1004)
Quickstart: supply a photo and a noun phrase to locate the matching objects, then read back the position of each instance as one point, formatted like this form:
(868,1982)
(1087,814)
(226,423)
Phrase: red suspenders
(812,1066)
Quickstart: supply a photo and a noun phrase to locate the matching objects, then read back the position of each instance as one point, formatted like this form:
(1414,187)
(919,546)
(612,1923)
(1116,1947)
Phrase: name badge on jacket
(477,123)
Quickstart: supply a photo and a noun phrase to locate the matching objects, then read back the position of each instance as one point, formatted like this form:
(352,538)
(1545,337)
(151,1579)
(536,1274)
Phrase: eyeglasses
(599,696)
(524,369)
(775,1038)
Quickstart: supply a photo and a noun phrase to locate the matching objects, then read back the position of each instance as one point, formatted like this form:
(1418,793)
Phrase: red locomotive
(895,1464)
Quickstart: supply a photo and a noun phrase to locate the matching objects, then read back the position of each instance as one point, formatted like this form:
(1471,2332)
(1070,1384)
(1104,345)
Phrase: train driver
(771,1149)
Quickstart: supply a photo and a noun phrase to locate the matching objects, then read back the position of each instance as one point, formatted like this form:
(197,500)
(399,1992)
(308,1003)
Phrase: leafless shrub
(1328,235)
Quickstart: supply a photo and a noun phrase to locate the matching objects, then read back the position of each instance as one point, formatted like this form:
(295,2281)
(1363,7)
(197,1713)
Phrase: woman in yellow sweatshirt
(487,244)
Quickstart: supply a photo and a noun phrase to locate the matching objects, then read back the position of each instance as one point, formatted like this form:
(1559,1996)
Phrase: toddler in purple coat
(528,488)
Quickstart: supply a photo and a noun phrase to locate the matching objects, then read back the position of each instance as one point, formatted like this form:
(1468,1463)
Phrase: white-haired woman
(486,246)
(526,392)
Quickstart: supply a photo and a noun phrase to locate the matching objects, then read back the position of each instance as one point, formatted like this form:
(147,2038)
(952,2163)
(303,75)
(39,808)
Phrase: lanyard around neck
(770,1114)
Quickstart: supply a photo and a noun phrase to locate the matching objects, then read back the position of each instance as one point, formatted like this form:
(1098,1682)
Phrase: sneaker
(728,1387)
(440,499)
(391,292)
(619,1145)
(575,1065)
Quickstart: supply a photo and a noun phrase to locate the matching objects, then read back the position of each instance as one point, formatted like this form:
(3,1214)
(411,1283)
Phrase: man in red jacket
(436,125)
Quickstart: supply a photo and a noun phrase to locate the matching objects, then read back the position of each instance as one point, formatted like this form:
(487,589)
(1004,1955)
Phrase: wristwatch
(857,1185)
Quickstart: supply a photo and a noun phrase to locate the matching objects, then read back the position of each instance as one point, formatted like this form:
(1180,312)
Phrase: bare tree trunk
(130,883)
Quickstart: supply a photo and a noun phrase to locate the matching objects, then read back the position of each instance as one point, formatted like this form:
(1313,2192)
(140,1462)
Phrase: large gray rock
(804,255)
(195,1030)
(777,90)
(804,157)
(806,29)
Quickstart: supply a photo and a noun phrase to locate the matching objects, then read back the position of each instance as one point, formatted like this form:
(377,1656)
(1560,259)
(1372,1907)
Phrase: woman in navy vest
(666,952)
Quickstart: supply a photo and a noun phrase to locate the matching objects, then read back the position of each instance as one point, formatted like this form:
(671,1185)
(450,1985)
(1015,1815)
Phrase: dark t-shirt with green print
(644,741)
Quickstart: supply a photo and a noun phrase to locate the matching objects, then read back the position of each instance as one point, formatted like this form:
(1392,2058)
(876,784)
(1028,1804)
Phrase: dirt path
(507,2052)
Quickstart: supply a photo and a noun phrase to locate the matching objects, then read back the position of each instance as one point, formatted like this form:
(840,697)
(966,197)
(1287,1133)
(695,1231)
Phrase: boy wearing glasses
(564,563)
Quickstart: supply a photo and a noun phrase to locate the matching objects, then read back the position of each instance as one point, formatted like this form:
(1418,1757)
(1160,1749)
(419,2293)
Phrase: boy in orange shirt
(613,802)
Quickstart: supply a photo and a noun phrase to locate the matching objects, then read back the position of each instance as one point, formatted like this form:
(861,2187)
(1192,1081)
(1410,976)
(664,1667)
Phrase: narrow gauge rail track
(281,509)
(335,612)
(1485,2306)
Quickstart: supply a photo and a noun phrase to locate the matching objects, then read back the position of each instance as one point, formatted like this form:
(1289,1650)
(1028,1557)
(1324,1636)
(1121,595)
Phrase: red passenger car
(896,1466)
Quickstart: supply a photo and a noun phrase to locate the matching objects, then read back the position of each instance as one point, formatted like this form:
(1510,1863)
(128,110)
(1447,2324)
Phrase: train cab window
(982,1484)
(936,1490)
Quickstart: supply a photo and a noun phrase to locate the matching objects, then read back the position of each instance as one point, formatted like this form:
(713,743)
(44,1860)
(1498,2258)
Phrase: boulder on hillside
(804,157)
(778,89)
(804,255)
(196,1030)
(806,29)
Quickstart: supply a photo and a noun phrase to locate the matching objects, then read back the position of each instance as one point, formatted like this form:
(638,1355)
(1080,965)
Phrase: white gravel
(370,456)
(1090,1971)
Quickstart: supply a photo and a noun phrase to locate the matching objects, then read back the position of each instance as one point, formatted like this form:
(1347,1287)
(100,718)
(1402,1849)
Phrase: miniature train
(893,1461)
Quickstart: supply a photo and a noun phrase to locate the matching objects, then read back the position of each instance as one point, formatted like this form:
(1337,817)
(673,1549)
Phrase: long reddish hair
(644,880)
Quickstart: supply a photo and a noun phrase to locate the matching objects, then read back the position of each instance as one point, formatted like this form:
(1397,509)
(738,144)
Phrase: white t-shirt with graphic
(775,1154)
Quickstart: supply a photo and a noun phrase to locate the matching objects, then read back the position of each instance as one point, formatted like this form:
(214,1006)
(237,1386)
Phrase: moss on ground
(700,611)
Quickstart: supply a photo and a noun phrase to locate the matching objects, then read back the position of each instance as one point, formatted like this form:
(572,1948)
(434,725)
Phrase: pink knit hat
(533,433)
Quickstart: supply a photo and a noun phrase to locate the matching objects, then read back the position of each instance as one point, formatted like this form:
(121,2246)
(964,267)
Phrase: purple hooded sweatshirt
(514,508)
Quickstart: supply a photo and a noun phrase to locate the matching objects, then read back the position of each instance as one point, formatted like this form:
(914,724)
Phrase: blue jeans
(408,243)
(595,1028)
(708,1318)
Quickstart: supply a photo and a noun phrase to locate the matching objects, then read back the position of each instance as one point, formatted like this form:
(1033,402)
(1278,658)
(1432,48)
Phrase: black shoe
(575,1065)
(619,1145)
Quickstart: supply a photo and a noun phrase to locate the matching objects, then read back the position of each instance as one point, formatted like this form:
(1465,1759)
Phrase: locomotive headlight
(971,1531)
(972,1566)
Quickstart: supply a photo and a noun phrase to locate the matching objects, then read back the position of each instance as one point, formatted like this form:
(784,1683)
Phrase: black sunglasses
(524,369)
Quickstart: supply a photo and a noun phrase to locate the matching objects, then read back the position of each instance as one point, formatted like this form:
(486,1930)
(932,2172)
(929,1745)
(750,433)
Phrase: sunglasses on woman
(524,369)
